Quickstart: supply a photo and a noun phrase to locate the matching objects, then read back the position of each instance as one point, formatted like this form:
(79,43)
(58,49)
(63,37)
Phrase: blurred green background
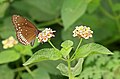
(103,16)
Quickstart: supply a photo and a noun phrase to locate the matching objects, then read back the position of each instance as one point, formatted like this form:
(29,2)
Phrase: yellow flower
(82,32)
(45,35)
(8,43)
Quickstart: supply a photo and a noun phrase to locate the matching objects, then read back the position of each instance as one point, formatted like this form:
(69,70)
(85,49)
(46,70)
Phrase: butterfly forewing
(26,32)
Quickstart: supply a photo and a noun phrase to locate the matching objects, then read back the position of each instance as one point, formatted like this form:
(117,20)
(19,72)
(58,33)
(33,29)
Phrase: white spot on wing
(22,39)
(19,27)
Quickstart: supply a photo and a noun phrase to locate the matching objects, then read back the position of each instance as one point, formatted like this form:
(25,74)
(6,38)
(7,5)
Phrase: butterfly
(26,32)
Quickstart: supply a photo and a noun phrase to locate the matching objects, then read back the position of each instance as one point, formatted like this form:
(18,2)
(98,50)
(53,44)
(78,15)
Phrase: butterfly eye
(26,32)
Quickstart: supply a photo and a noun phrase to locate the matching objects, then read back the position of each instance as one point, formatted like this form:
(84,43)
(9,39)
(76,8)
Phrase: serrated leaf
(7,56)
(66,44)
(44,54)
(78,67)
(63,69)
(6,72)
(72,10)
(91,48)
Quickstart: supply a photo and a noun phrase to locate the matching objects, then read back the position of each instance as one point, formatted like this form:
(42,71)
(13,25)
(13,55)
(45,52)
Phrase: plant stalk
(27,68)
(69,68)
(76,49)
(51,44)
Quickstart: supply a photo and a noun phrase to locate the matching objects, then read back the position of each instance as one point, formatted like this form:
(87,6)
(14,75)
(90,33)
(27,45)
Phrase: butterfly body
(26,32)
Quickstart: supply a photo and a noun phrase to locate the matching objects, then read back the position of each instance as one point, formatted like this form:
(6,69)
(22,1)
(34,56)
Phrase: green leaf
(8,56)
(25,50)
(75,70)
(91,59)
(1,1)
(92,73)
(44,54)
(78,67)
(3,8)
(91,48)
(38,73)
(86,73)
(66,47)
(116,7)
(50,66)
(72,10)
(67,44)
(26,76)
(65,51)
(93,5)
(41,73)
(7,29)
(63,69)
(44,10)
(6,73)
(102,60)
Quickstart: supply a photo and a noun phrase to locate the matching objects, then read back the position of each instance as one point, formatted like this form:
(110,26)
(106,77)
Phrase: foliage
(55,54)
(8,56)
(101,66)
(103,17)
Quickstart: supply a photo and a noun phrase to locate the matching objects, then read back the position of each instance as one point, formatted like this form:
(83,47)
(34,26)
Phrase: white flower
(45,35)
(82,32)
(8,43)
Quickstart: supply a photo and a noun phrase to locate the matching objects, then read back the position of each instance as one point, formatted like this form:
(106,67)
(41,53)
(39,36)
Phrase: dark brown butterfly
(26,32)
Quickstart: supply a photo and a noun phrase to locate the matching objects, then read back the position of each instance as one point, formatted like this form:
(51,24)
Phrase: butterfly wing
(26,32)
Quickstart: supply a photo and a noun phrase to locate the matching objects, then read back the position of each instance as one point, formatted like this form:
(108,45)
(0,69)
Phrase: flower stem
(69,68)
(27,68)
(51,44)
(78,45)
(21,68)
(77,49)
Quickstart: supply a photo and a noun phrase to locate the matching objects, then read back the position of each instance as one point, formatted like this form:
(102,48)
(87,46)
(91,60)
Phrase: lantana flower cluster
(45,35)
(8,43)
(82,32)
